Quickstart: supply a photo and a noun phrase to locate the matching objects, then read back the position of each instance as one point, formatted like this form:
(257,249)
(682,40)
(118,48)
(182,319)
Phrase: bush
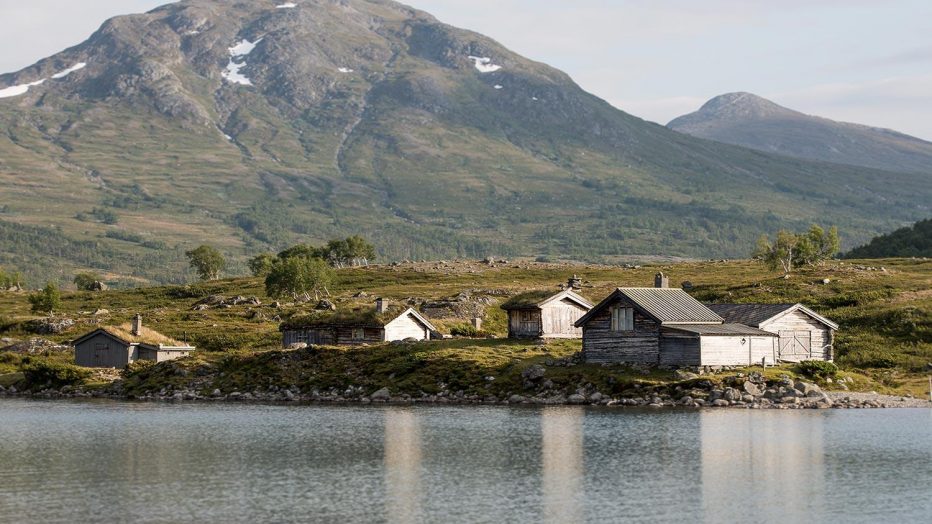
(136,367)
(817,368)
(467,330)
(47,300)
(41,373)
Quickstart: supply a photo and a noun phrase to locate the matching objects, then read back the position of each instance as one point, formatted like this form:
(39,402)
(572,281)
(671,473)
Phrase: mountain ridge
(371,117)
(748,120)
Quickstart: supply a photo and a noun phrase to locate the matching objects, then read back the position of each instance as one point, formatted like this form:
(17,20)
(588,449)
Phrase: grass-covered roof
(358,317)
(528,299)
(146,336)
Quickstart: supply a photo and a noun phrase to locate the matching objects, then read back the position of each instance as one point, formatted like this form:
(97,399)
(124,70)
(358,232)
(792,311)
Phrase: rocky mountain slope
(252,125)
(748,120)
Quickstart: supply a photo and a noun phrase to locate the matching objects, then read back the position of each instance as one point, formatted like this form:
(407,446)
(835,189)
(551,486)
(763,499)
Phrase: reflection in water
(562,459)
(402,465)
(778,459)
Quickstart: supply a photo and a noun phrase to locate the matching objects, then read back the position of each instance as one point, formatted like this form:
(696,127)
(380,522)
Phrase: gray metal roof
(750,314)
(757,314)
(670,305)
(719,329)
(665,305)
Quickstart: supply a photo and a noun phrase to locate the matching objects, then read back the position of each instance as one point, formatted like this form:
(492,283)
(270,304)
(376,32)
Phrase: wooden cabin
(117,346)
(545,314)
(802,333)
(383,323)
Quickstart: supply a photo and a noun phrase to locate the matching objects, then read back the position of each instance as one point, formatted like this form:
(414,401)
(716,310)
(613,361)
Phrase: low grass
(885,340)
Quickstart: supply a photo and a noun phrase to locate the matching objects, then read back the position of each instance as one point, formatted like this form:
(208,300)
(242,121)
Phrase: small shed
(117,346)
(803,334)
(545,314)
(383,323)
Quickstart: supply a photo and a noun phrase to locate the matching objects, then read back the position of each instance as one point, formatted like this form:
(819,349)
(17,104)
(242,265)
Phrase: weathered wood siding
(601,344)
(406,326)
(102,351)
(721,350)
(524,323)
(558,317)
(821,337)
(332,336)
(679,350)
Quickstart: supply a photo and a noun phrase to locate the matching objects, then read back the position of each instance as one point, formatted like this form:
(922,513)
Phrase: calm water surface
(146,462)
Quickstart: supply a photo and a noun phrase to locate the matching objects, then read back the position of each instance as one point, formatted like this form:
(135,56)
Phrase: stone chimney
(574,283)
(381,305)
(137,324)
(661,280)
(477,323)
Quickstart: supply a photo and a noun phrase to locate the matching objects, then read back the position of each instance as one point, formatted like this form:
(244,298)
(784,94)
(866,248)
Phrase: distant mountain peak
(748,120)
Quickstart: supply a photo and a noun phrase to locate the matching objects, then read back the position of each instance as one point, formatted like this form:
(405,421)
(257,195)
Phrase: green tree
(777,254)
(817,246)
(207,261)
(85,280)
(261,265)
(10,280)
(352,249)
(301,250)
(47,300)
(294,276)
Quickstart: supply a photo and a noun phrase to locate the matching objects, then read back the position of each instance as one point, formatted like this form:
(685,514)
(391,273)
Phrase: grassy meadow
(884,308)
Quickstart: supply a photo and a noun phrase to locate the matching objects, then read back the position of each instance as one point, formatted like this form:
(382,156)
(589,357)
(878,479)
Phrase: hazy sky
(865,61)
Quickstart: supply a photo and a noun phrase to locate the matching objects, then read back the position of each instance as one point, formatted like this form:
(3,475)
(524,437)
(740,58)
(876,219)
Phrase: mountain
(254,125)
(748,120)
(910,241)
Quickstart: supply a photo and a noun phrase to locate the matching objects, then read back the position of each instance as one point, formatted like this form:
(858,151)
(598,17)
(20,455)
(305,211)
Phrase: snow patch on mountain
(20,89)
(345,70)
(287,5)
(238,54)
(484,64)
(77,67)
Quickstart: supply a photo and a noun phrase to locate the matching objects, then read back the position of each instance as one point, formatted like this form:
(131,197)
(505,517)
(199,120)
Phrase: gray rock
(596,397)
(731,394)
(720,403)
(516,399)
(807,387)
(216,393)
(382,395)
(682,374)
(289,395)
(576,398)
(535,372)
(752,389)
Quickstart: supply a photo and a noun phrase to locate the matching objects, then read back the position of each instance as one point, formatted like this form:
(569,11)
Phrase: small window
(301,336)
(525,316)
(359,334)
(623,319)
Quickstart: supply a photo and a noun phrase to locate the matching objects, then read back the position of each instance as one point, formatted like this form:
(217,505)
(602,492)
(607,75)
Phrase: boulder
(97,285)
(516,399)
(325,305)
(576,398)
(731,394)
(381,395)
(752,389)
(596,397)
(50,326)
(806,388)
(99,312)
(720,403)
(682,374)
(535,372)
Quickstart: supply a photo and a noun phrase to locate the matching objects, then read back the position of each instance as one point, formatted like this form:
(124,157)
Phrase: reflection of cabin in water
(545,314)
(664,326)
(383,323)
(117,346)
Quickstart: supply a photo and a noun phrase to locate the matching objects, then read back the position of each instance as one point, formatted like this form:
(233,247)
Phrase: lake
(104,461)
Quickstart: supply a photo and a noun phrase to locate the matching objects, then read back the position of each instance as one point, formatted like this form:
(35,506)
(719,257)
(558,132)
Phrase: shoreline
(826,400)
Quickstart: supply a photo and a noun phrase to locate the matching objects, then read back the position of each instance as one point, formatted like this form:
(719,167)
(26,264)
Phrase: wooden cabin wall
(601,344)
(524,323)
(680,349)
(102,351)
(821,337)
(406,327)
(557,319)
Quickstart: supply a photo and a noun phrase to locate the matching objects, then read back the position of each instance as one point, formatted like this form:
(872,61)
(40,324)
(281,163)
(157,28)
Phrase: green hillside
(368,117)
(911,241)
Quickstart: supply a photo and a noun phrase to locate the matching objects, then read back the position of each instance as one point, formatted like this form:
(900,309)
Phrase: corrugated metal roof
(750,314)
(670,305)
(719,329)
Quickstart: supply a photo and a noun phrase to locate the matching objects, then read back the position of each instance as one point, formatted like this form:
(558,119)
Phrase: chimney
(574,283)
(661,280)
(381,305)
(477,323)
(137,324)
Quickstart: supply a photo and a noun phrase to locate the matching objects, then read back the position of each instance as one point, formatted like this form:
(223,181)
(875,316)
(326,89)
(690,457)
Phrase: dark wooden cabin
(383,323)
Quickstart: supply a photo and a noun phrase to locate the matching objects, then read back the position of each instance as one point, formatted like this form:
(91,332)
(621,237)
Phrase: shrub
(40,372)
(467,330)
(817,368)
(136,367)
(47,300)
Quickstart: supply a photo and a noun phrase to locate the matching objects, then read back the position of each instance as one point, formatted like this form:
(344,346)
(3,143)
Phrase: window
(525,316)
(301,336)
(623,319)
(359,334)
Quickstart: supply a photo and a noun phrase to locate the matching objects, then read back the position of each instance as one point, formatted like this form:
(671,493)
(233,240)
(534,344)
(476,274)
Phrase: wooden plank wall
(557,319)
(797,321)
(601,344)
(679,350)
(524,329)
(405,327)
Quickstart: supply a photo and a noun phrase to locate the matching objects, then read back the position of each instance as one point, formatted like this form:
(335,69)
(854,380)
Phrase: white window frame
(622,319)
(359,334)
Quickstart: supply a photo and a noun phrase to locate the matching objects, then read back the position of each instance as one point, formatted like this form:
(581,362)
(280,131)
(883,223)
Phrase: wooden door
(795,346)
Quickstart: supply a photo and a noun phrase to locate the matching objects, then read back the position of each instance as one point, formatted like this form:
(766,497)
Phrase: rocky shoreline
(738,392)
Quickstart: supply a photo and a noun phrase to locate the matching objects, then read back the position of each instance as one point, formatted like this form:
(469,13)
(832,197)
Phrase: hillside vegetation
(911,241)
(369,117)
(885,314)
